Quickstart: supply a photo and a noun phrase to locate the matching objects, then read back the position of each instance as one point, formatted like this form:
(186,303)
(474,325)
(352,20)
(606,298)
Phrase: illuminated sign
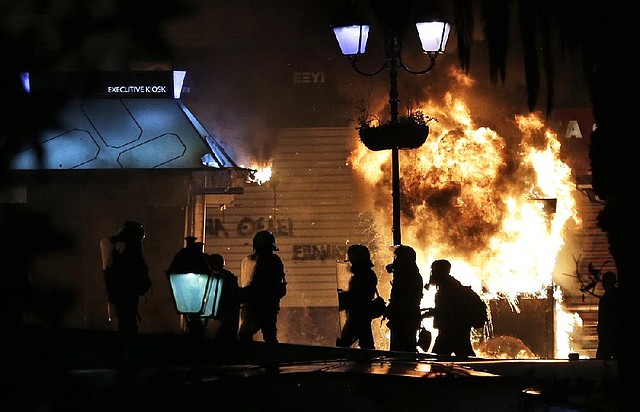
(143,84)
(149,84)
(136,89)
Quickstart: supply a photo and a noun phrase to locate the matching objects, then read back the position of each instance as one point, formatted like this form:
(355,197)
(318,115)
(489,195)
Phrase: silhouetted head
(264,240)
(216,261)
(404,258)
(404,254)
(130,232)
(359,255)
(440,269)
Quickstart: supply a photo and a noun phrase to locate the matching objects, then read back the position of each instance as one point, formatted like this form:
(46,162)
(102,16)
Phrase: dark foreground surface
(79,370)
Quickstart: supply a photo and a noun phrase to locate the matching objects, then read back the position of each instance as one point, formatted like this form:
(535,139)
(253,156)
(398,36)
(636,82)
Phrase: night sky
(253,65)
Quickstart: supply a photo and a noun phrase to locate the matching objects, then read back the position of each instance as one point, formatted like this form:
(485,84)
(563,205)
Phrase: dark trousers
(127,314)
(403,339)
(357,327)
(258,319)
(456,340)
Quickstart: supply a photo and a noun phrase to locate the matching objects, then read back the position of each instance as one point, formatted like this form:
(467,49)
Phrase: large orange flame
(495,207)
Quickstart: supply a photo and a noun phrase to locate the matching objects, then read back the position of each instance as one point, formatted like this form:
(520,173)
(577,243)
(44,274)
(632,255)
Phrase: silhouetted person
(127,275)
(454,331)
(263,285)
(229,309)
(403,310)
(363,286)
(607,318)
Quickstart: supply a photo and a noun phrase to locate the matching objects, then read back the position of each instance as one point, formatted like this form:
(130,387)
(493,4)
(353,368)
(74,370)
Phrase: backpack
(473,307)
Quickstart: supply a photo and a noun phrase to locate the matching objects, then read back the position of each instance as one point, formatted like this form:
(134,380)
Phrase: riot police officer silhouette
(127,275)
(263,285)
(362,289)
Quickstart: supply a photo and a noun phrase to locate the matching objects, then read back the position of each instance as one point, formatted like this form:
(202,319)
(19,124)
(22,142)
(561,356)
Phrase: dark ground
(80,370)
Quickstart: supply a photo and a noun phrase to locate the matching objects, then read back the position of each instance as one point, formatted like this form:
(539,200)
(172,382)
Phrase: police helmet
(439,270)
(264,240)
(405,253)
(130,231)
(358,254)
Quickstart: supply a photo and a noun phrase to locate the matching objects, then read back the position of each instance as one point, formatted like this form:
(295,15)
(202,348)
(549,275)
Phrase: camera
(389,268)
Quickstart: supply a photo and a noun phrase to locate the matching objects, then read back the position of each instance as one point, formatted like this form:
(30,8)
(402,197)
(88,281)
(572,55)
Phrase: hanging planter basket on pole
(394,136)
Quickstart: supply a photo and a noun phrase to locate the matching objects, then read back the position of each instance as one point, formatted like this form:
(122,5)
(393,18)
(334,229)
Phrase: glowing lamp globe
(196,288)
(196,293)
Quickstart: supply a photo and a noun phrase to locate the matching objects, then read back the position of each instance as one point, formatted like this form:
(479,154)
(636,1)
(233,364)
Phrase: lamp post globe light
(195,287)
(352,34)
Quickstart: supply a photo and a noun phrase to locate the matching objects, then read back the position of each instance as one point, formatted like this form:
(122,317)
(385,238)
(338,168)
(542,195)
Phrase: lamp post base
(195,326)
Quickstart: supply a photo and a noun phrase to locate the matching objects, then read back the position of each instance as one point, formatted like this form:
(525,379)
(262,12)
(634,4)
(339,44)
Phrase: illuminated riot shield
(343,274)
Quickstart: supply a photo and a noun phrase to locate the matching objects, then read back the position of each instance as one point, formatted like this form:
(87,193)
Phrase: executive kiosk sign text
(142,84)
(158,89)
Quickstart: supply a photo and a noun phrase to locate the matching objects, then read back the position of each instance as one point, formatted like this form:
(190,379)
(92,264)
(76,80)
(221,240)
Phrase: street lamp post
(352,34)
(196,288)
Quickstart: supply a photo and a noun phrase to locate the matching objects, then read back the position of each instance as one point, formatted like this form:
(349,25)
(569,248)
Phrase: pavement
(54,369)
